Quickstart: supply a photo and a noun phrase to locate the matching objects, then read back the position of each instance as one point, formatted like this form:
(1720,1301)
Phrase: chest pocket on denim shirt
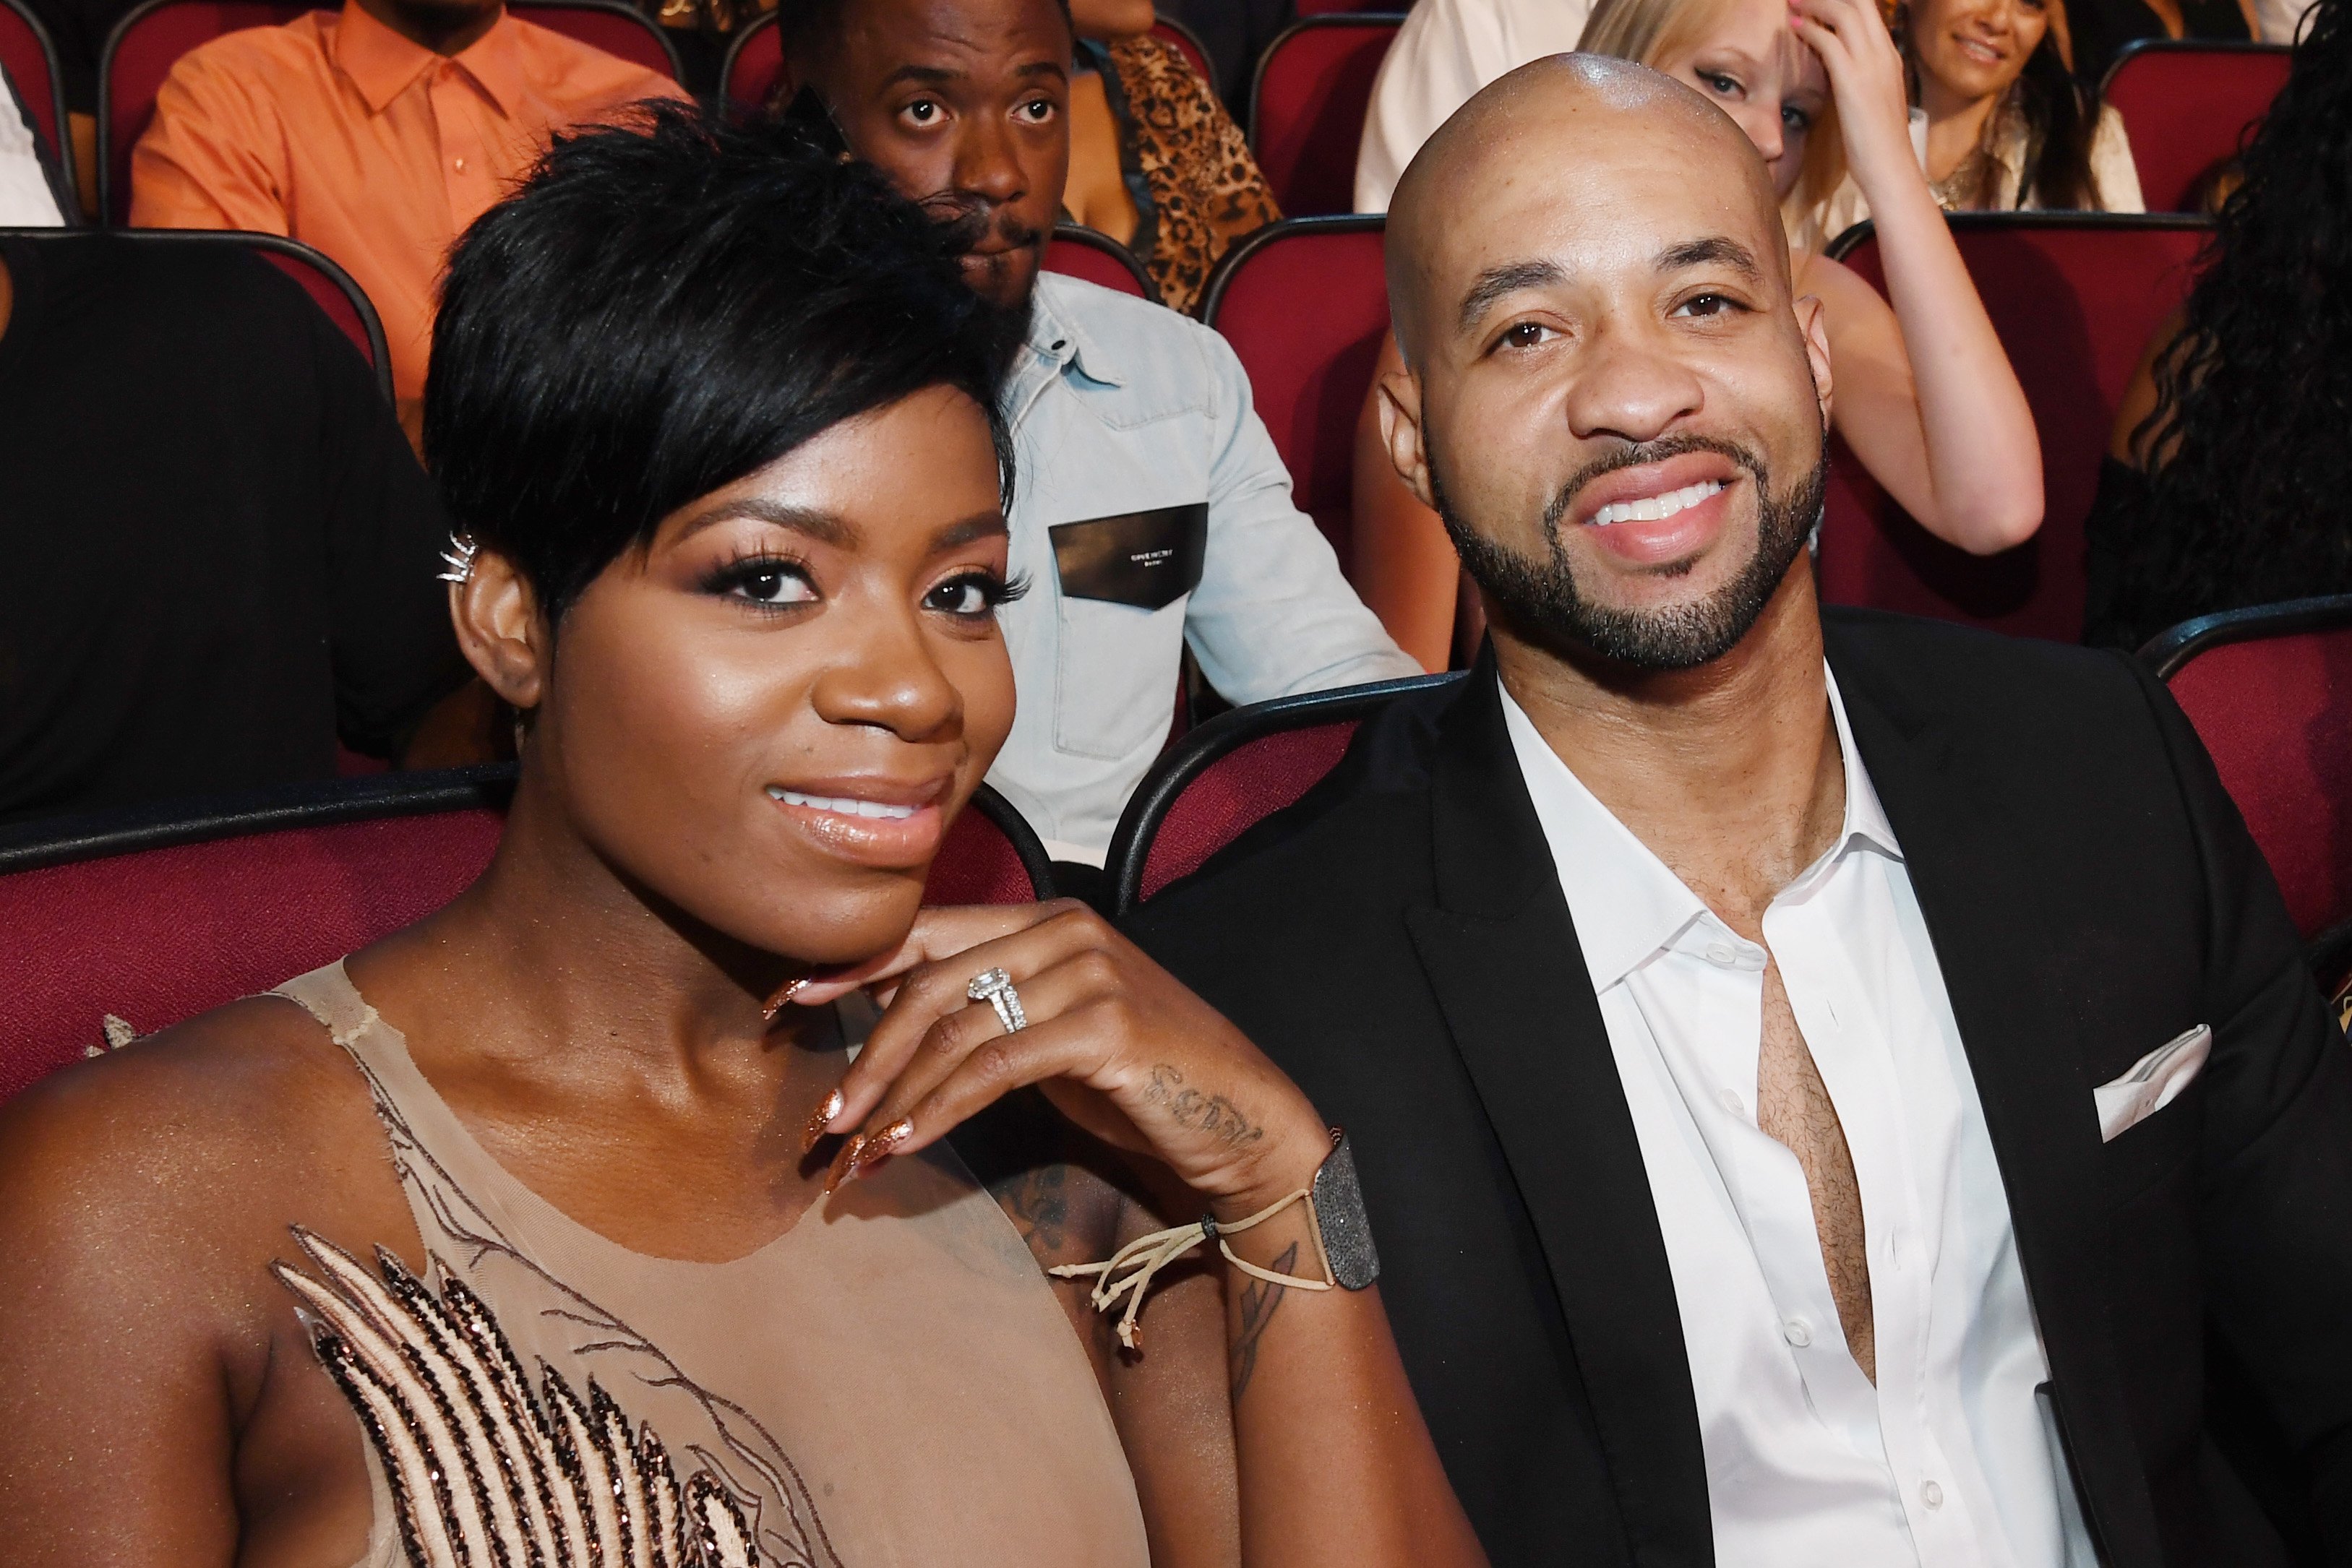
(1124,580)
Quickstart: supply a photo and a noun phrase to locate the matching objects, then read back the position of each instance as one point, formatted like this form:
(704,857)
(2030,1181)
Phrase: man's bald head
(1609,395)
(1518,130)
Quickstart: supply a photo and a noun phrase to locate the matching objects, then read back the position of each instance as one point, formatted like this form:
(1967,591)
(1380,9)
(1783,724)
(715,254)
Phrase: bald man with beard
(1830,1089)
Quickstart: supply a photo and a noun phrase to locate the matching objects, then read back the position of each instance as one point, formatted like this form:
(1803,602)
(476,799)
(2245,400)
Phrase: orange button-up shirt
(339,131)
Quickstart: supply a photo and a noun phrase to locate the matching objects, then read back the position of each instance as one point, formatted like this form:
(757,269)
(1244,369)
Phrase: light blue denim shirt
(1118,406)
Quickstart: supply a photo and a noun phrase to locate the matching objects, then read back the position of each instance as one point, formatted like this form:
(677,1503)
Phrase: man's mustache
(1634,455)
(967,224)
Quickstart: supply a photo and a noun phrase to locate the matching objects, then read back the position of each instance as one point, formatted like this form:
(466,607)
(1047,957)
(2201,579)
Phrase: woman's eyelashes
(768,582)
(974,595)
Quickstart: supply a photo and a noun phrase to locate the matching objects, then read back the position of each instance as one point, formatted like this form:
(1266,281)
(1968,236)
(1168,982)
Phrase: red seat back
(1230,774)
(158,935)
(1196,54)
(2270,691)
(754,62)
(2185,106)
(148,42)
(1305,303)
(334,290)
(2074,298)
(1079,252)
(1307,103)
(31,60)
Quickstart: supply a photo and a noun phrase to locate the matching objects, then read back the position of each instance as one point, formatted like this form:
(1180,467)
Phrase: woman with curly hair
(2230,460)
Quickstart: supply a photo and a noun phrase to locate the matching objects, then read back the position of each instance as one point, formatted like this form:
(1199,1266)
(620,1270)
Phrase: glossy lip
(1656,542)
(885,843)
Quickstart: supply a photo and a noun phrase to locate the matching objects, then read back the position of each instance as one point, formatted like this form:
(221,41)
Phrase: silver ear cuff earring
(459,558)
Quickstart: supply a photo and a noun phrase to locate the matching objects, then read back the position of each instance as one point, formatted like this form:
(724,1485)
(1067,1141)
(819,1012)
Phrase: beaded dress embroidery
(888,1384)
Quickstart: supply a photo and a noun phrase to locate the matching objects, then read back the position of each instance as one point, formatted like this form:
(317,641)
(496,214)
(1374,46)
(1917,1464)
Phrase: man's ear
(1813,321)
(501,631)
(1399,394)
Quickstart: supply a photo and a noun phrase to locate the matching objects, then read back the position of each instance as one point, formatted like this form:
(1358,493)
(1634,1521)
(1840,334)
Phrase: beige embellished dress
(890,1383)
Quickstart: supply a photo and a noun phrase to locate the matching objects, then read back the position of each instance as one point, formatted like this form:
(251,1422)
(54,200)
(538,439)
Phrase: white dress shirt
(1949,1461)
(25,199)
(1120,406)
(1445,51)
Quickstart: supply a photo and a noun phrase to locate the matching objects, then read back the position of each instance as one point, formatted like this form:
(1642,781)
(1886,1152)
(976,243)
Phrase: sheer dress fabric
(888,1384)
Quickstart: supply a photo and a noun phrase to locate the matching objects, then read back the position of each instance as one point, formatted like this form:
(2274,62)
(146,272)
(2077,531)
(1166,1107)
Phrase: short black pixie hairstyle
(665,306)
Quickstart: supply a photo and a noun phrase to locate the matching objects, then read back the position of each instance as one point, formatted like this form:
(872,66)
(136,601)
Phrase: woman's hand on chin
(1113,1040)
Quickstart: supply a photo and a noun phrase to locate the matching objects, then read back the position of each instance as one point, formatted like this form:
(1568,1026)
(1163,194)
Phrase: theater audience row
(1991,85)
(1925,397)
(1810,1086)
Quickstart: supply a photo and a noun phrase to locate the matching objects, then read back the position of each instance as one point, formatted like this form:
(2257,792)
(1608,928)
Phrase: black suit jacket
(1398,941)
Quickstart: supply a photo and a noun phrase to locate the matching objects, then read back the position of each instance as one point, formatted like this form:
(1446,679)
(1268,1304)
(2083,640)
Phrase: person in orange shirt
(376,135)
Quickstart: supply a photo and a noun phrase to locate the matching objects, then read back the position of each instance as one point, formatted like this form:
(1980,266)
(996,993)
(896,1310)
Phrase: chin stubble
(1540,596)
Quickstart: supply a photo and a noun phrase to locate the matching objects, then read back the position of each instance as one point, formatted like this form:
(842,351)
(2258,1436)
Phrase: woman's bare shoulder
(177,1143)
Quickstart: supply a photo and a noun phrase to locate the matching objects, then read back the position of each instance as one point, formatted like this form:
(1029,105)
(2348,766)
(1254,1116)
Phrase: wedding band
(994,987)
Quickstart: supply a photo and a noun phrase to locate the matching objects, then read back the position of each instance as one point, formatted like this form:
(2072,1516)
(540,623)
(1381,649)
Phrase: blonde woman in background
(1925,396)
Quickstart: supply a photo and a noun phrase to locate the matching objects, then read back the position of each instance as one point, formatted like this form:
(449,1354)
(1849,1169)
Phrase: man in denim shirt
(1151,506)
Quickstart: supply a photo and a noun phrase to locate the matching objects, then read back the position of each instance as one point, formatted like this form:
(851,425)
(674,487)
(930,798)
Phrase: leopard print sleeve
(1205,187)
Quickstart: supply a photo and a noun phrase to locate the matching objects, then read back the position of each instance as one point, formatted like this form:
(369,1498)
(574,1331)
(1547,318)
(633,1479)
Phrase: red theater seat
(30,60)
(1307,102)
(2074,298)
(1304,302)
(329,286)
(1196,53)
(754,60)
(2185,105)
(1080,252)
(2270,691)
(1230,774)
(147,43)
(155,919)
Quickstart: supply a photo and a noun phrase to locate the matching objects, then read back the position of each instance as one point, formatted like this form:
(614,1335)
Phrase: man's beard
(1541,597)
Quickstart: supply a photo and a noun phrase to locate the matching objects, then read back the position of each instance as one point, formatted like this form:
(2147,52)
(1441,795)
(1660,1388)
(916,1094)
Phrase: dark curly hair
(2249,449)
(667,305)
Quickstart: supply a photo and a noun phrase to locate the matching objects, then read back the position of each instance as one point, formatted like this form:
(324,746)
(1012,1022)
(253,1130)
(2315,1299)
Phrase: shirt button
(1799,1332)
(1931,1494)
(1720,955)
(1732,1103)
(458,164)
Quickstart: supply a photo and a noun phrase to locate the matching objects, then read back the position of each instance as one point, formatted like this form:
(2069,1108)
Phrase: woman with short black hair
(565,1227)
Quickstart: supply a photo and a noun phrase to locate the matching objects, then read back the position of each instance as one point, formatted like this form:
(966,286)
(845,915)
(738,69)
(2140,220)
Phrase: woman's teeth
(1650,508)
(841,805)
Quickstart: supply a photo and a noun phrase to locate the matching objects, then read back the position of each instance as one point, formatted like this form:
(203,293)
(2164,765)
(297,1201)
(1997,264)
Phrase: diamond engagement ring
(994,987)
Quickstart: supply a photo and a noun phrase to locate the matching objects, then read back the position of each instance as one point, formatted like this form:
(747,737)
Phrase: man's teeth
(842,804)
(1650,508)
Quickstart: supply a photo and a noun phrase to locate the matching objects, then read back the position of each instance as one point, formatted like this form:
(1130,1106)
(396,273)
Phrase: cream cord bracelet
(1146,1255)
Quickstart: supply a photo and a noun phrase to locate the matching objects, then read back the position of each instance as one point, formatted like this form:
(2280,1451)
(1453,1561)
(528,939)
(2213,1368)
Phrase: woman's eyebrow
(822,526)
(979,526)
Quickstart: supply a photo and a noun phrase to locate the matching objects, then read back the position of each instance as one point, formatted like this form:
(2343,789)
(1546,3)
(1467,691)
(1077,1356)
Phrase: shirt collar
(382,65)
(1058,335)
(1627,905)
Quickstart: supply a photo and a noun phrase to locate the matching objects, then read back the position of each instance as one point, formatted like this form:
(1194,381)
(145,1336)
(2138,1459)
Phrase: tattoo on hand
(1211,1114)
(1258,1300)
(1039,1202)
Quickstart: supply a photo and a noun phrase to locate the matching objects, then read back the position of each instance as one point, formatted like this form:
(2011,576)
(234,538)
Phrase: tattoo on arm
(1208,1113)
(1258,1300)
(1038,1200)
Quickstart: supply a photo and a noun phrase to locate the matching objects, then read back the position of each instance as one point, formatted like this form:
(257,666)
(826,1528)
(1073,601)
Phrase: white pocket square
(2154,1082)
